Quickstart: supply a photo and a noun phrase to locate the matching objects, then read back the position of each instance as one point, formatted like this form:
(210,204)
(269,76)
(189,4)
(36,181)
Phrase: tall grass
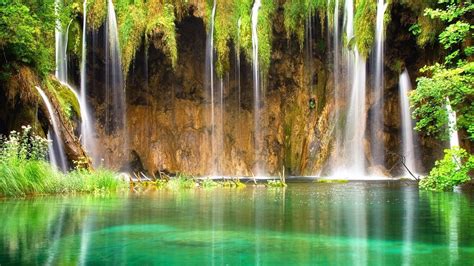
(25,171)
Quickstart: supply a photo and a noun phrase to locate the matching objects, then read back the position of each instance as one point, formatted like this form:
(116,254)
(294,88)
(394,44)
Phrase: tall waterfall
(114,85)
(356,120)
(56,146)
(256,88)
(87,124)
(114,88)
(351,155)
(453,133)
(61,42)
(407,122)
(376,127)
(210,85)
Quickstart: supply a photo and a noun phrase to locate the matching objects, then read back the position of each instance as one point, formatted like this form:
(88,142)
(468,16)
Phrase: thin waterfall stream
(57,154)
(87,123)
(258,169)
(115,98)
(408,141)
(377,124)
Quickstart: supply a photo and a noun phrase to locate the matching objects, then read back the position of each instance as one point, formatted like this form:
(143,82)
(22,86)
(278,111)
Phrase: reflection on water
(354,223)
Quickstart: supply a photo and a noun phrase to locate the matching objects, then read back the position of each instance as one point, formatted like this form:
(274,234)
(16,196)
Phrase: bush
(25,171)
(451,171)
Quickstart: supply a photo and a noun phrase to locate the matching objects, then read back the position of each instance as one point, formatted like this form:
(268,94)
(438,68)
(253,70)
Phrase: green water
(304,224)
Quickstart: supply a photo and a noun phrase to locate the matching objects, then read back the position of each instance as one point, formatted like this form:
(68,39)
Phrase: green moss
(96,13)
(426,29)
(223,28)
(131,19)
(161,23)
(74,40)
(265,34)
(64,96)
(364,25)
(296,13)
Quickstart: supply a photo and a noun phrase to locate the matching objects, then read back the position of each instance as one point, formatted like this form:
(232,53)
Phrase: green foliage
(451,171)
(364,25)
(223,28)
(67,100)
(451,80)
(131,19)
(296,13)
(425,29)
(27,35)
(25,171)
(265,34)
(429,99)
(161,22)
(96,13)
(209,183)
(181,181)
(276,183)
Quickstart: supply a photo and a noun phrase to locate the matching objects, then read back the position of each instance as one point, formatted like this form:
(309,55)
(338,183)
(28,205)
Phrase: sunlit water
(355,223)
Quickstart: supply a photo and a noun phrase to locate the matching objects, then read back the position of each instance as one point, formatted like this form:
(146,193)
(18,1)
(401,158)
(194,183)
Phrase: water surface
(356,223)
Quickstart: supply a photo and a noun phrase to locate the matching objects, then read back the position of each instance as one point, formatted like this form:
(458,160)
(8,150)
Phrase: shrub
(451,171)
(25,171)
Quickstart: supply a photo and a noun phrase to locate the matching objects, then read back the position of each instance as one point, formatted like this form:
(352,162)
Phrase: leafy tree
(451,171)
(27,35)
(452,79)
(449,82)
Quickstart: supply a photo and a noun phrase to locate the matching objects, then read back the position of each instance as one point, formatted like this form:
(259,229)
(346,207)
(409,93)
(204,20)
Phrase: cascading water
(338,95)
(376,127)
(356,117)
(87,124)
(407,122)
(114,88)
(56,148)
(114,85)
(61,42)
(256,87)
(210,85)
(351,156)
(453,133)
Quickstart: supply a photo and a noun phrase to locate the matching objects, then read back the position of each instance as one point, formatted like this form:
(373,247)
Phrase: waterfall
(115,111)
(356,117)
(87,124)
(56,146)
(407,122)
(453,133)
(377,124)
(350,153)
(210,85)
(61,42)
(256,86)
(337,90)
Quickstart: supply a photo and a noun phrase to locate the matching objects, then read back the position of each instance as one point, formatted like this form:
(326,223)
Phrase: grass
(24,170)
(276,183)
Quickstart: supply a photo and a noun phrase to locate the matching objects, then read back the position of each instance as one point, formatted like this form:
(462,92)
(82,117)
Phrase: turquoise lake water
(356,223)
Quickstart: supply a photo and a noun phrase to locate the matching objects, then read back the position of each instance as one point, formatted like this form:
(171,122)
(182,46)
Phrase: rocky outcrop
(168,110)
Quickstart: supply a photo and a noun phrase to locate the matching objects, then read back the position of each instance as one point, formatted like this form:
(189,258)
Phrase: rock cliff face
(168,112)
